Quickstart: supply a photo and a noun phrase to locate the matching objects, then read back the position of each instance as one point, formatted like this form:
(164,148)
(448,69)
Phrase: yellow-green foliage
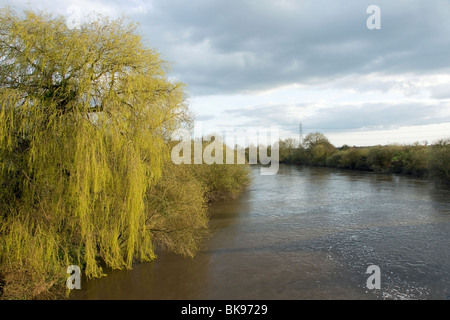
(354,158)
(178,215)
(222,181)
(85,173)
(83,116)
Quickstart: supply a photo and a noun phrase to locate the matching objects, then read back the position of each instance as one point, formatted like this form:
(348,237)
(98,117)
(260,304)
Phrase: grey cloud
(344,118)
(440,92)
(312,41)
(220,47)
(204,117)
(378,116)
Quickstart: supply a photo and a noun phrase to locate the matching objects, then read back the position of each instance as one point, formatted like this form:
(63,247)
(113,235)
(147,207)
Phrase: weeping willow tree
(84,113)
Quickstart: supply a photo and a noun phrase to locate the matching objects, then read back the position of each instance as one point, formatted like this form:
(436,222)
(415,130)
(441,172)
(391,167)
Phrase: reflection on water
(307,233)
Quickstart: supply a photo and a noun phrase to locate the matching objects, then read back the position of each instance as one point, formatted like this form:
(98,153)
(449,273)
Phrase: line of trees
(85,171)
(416,159)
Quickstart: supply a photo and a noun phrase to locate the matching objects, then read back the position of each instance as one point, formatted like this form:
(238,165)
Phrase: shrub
(440,160)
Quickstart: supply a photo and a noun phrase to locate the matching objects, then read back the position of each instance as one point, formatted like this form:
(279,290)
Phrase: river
(307,233)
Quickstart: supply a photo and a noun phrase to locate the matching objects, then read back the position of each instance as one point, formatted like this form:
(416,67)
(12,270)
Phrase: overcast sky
(256,63)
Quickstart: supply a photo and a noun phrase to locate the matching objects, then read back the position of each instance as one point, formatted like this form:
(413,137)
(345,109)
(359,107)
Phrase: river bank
(418,160)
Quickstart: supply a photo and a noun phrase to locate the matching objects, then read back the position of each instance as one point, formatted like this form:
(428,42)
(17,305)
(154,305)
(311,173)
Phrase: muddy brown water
(307,233)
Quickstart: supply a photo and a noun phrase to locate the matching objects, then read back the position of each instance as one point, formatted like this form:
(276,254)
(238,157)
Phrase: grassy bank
(432,161)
